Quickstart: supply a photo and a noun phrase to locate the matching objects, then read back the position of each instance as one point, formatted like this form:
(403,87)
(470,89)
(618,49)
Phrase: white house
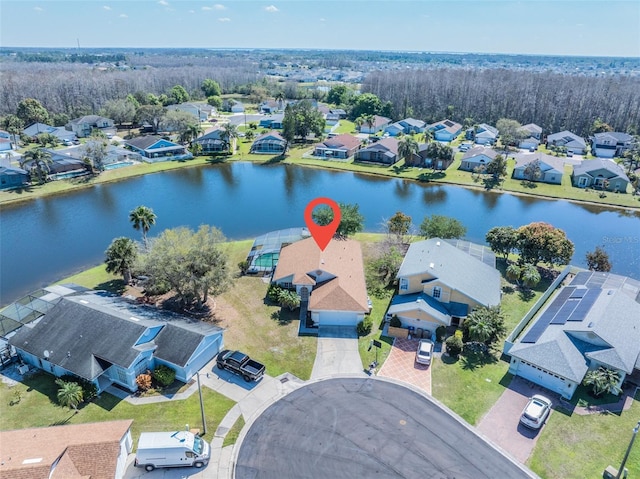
(594,321)
(477,157)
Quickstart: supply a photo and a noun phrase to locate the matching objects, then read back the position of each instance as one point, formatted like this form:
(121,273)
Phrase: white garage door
(337,318)
(545,379)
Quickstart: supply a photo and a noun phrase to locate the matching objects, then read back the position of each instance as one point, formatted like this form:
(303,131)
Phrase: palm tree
(481,330)
(280,98)
(530,275)
(121,256)
(407,148)
(191,132)
(602,380)
(143,218)
(38,162)
(229,133)
(370,120)
(70,394)
(428,135)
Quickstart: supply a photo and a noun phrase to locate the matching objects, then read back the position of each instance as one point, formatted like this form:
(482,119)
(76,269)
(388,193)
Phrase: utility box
(611,473)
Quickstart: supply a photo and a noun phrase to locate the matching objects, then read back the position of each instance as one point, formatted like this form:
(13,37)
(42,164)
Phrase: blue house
(154,148)
(272,121)
(11,177)
(110,340)
(445,130)
(408,126)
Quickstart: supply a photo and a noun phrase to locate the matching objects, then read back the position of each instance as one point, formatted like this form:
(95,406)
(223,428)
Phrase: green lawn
(37,407)
(583,446)
(234,432)
(472,384)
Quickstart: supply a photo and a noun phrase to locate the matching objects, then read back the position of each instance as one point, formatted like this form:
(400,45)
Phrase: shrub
(458,334)
(454,345)
(395,322)
(273,293)
(243,266)
(144,381)
(364,327)
(89,390)
(164,375)
(440,332)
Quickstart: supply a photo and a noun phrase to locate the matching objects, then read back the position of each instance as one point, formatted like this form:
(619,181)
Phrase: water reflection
(106,198)
(194,177)
(404,189)
(433,195)
(226,173)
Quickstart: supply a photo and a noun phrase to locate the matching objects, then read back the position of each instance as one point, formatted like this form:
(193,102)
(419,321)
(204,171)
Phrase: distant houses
(572,142)
(533,138)
(610,144)
(382,151)
(539,167)
(270,143)
(599,173)
(154,148)
(408,126)
(379,123)
(477,157)
(83,126)
(445,130)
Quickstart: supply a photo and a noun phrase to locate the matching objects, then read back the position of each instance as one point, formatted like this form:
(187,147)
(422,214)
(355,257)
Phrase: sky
(557,27)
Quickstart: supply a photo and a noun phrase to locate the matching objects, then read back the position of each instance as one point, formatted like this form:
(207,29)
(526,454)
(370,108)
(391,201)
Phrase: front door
(304,294)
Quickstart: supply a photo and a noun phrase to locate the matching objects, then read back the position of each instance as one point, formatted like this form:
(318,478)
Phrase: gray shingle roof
(587,166)
(177,343)
(453,267)
(609,333)
(617,136)
(570,139)
(479,150)
(547,162)
(532,128)
(76,334)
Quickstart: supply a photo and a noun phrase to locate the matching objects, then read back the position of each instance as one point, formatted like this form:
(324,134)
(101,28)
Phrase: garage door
(545,379)
(337,318)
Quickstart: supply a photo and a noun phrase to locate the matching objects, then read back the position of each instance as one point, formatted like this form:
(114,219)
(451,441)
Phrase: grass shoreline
(296,158)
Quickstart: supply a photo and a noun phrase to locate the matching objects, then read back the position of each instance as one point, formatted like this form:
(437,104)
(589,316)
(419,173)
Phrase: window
(404,284)
(122,375)
(437,292)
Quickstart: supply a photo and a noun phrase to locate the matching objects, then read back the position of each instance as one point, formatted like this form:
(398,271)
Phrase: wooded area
(556,102)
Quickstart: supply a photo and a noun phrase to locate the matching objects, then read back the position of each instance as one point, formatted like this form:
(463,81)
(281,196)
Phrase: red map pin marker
(322,234)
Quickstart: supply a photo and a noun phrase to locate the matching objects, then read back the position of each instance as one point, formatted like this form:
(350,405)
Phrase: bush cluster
(454,345)
(144,381)
(364,327)
(164,375)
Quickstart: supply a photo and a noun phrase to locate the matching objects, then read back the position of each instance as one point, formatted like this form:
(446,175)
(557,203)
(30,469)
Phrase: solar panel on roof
(546,318)
(578,293)
(565,311)
(581,278)
(585,305)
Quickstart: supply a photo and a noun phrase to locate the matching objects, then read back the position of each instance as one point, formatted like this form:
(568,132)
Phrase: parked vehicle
(424,352)
(171,449)
(241,364)
(535,412)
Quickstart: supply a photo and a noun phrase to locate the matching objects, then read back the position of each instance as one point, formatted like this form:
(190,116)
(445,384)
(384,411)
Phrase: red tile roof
(82,451)
(342,259)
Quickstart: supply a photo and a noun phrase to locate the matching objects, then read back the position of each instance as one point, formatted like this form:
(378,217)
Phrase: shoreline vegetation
(298,155)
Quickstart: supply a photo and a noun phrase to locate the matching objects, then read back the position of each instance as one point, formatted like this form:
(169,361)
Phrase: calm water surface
(47,239)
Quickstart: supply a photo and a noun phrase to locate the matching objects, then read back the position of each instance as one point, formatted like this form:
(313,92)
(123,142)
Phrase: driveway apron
(337,353)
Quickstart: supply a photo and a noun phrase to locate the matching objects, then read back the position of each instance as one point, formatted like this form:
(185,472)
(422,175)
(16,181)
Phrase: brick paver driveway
(502,423)
(401,365)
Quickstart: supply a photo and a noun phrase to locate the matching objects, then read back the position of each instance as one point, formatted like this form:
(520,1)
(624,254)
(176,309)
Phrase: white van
(171,449)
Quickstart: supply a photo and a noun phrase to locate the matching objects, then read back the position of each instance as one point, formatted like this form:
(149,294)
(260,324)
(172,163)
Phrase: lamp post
(626,455)
(204,422)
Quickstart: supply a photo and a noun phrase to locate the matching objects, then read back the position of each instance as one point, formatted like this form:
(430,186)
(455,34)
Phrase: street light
(626,456)
(204,422)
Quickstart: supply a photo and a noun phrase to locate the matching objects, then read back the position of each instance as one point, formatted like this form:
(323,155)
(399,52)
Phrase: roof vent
(84,301)
(437,243)
(35,460)
(133,318)
(591,324)
(431,265)
(610,292)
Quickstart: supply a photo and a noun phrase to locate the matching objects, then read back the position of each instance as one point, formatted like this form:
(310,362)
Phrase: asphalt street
(365,428)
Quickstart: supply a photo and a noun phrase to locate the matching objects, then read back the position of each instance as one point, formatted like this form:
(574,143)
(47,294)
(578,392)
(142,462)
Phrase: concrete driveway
(502,423)
(337,353)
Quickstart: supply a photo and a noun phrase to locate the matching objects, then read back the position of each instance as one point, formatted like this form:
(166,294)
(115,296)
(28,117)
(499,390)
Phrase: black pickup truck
(240,363)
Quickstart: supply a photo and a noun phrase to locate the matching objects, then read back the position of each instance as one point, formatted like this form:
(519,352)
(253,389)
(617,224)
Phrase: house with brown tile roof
(332,281)
(79,451)
(340,146)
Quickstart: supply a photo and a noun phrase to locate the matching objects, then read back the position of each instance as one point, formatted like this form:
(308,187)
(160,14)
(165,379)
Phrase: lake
(44,240)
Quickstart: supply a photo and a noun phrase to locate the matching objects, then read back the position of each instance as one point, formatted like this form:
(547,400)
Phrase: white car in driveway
(424,352)
(536,412)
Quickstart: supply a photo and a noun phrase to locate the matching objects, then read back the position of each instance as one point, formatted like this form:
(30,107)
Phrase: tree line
(553,101)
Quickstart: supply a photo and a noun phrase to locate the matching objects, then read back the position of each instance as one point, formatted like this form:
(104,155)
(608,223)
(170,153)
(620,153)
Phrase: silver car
(536,412)
(424,352)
